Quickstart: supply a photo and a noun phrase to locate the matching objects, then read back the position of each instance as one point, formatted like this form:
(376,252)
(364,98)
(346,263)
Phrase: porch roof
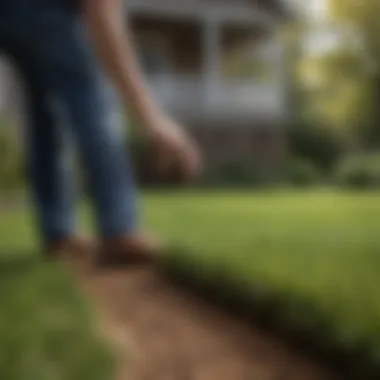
(250,13)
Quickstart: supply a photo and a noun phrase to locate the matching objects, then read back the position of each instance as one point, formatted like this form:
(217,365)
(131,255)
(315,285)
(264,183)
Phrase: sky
(317,9)
(322,37)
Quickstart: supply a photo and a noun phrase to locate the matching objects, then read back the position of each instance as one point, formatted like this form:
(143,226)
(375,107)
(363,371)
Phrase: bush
(315,143)
(359,172)
(296,172)
(301,172)
(238,174)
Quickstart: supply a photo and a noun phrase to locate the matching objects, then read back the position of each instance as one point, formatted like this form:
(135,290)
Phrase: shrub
(296,172)
(359,172)
(238,174)
(315,143)
(301,172)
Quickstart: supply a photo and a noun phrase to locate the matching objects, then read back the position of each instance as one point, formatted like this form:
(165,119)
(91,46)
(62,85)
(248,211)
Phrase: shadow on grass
(46,324)
(15,264)
(295,319)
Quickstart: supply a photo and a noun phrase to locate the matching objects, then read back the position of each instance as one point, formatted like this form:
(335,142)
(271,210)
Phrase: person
(68,53)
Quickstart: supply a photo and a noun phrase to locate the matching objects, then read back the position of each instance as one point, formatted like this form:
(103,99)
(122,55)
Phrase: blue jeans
(67,95)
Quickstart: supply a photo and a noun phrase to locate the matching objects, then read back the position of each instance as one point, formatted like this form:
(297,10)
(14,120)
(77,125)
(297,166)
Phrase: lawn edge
(265,312)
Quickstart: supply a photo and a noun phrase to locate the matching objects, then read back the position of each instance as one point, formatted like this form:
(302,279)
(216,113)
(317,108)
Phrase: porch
(186,63)
(191,98)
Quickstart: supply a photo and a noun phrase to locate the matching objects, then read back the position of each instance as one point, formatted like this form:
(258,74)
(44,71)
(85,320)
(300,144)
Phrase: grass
(47,331)
(312,259)
(315,255)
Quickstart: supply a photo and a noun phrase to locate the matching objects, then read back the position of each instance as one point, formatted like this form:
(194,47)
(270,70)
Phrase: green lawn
(47,329)
(318,253)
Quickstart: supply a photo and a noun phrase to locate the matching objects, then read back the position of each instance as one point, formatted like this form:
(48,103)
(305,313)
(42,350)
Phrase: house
(187,47)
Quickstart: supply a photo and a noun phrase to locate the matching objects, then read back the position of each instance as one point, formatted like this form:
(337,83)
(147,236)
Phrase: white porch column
(281,75)
(212,52)
(274,58)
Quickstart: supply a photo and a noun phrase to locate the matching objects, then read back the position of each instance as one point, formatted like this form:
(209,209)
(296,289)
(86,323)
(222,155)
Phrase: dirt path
(163,334)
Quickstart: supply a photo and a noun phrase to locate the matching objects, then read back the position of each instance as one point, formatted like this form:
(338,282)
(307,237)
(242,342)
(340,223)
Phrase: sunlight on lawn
(320,246)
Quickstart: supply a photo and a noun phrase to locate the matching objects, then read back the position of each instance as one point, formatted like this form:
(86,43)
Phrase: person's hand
(174,149)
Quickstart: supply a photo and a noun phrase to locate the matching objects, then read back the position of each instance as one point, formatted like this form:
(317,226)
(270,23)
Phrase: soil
(163,333)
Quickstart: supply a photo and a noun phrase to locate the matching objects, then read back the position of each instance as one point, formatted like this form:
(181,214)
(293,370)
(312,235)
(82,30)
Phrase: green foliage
(316,143)
(301,173)
(360,23)
(236,174)
(338,88)
(359,172)
(314,147)
(296,172)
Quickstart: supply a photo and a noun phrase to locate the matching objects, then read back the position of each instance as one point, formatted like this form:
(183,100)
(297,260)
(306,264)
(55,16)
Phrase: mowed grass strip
(315,255)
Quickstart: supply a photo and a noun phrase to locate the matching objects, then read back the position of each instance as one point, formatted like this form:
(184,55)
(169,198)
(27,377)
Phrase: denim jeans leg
(53,38)
(82,88)
(47,156)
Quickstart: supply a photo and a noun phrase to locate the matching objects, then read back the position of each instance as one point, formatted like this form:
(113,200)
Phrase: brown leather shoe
(68,246)
(128,249)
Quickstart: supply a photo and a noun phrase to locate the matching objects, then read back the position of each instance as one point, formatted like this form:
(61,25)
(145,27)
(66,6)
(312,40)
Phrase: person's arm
(106,24)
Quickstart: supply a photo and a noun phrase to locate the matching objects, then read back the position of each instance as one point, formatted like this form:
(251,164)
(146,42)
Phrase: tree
(360,21)
(338,90)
